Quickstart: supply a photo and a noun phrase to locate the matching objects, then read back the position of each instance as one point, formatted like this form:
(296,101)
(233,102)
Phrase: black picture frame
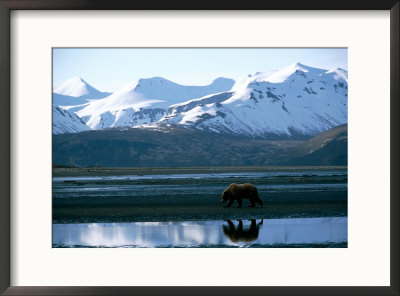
(7,6)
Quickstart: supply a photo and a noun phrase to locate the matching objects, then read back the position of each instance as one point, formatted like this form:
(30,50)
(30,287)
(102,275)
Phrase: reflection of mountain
(241,234)
(207,233)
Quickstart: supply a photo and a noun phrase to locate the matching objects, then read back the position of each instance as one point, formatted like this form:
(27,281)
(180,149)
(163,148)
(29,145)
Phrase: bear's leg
(229,203)
(257,198)
(253,203)
(239,202)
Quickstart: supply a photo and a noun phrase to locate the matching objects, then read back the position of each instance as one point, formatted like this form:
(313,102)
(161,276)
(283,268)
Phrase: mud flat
(191,194)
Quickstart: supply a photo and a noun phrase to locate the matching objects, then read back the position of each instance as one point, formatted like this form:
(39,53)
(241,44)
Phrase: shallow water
(186,185)
(302,232)
(244,175)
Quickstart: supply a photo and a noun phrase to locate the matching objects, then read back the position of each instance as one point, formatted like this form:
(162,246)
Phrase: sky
(108,69)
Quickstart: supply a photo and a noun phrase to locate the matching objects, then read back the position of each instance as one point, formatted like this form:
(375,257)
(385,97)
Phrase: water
(207,184)
(302,208)
(303,232)
(242,175)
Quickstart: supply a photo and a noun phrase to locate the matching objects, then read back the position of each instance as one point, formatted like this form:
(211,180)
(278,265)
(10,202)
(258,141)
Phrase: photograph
(199,147)
(154,147)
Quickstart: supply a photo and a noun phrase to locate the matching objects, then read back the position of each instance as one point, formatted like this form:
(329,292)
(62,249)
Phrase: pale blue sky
(108,69)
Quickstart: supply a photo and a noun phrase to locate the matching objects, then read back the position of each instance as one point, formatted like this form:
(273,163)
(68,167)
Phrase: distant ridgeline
(175,146)
(295,101)
(294,116)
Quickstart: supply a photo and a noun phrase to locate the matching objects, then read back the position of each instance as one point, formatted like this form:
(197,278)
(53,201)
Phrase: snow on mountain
(297,100)
(67,122)
(126,106)
(337,74)
(78,88)
(284,74)
(75,91)
(173,110)
(66,101)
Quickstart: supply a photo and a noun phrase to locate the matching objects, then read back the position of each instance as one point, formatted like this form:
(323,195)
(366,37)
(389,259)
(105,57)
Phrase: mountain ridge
(176,146)
(297,101)
(149,93)
(78,88)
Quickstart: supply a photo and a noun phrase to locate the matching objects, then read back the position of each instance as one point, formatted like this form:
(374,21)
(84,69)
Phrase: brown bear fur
(240,191)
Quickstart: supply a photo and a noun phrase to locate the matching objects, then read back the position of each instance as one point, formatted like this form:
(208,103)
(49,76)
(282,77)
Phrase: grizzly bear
(240,191)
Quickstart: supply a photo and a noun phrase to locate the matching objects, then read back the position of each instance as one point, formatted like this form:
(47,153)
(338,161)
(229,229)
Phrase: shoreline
(118,171)
(164,213)
(298,192)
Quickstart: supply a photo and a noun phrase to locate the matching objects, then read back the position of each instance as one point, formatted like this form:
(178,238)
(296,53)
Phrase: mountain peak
(283,74)
(79,88)
(153,79)
(221,79)
(337,69)
(151,93)
(295,101)
(298,65)
(338,73)
(160,80)
(77,79)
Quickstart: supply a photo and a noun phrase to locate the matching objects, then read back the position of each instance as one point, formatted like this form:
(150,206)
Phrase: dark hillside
(173,146)
(328,148)
(136,147)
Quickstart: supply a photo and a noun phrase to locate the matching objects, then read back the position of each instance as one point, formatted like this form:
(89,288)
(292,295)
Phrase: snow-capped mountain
(67,122)
(144,101)
(78,88)
(75,91)
(297,100)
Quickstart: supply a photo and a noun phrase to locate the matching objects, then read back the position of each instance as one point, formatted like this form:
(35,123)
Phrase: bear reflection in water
(241,234)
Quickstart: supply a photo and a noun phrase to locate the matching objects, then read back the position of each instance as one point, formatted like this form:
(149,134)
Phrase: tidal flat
(191,194)
(181,207)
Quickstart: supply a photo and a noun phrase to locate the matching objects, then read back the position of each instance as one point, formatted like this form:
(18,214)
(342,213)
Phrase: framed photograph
(179,149)
(162,155)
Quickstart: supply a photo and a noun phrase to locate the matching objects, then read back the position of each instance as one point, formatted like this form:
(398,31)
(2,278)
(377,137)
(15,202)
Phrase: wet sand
(149,213)
(287,192)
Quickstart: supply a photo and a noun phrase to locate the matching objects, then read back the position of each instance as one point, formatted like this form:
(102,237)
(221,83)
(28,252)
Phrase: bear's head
(226,196)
